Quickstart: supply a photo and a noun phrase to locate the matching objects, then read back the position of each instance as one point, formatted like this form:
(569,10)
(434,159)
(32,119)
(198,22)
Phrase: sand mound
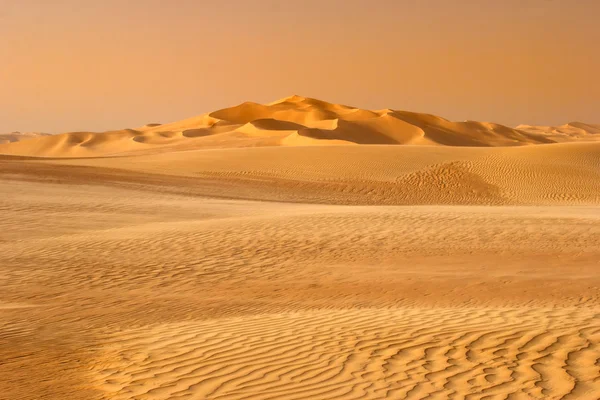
(296,121)
(558,174)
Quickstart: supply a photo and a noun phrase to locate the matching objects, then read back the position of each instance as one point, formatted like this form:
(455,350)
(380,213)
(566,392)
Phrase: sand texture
(302,250)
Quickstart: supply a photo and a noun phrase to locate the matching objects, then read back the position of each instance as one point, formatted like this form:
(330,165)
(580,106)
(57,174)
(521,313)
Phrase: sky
(69,65)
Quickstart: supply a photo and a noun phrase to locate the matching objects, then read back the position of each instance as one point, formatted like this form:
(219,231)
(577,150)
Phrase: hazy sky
(107,64)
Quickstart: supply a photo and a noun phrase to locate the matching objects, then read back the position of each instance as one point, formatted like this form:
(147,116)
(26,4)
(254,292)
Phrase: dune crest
(293,121)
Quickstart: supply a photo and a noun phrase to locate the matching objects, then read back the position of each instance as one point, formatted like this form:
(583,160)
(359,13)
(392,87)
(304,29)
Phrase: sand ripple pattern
(113,293)
(523,353)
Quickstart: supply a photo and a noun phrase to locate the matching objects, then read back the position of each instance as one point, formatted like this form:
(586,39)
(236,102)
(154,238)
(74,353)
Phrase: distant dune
(19,136)
(295,121)
(306,150)
(567,132)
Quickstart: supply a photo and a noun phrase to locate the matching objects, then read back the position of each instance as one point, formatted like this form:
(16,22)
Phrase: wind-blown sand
(258,252)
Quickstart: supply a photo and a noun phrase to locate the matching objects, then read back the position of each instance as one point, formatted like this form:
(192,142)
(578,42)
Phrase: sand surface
(257,262)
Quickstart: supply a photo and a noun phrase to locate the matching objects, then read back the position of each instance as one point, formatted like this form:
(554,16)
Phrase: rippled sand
(110,291)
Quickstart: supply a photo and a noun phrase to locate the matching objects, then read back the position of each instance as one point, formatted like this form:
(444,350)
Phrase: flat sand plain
(421,271)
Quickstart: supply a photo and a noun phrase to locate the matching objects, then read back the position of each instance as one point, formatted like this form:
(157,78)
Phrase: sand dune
(18,136)
(302,250)
(568,132)
(296,121)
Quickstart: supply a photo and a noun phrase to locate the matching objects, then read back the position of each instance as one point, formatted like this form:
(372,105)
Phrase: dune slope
(558,174)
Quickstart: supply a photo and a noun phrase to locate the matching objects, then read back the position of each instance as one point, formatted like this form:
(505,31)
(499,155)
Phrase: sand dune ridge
(296,121)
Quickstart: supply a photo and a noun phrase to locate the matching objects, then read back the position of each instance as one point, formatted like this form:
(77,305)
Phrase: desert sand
(302,250)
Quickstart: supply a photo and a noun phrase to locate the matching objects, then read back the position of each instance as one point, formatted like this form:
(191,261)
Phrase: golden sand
(302,250)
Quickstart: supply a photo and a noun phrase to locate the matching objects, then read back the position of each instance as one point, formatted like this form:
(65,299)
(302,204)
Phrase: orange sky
(107,64)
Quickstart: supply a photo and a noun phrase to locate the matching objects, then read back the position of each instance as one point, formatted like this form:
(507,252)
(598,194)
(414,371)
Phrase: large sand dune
(265,252)
(296,121)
